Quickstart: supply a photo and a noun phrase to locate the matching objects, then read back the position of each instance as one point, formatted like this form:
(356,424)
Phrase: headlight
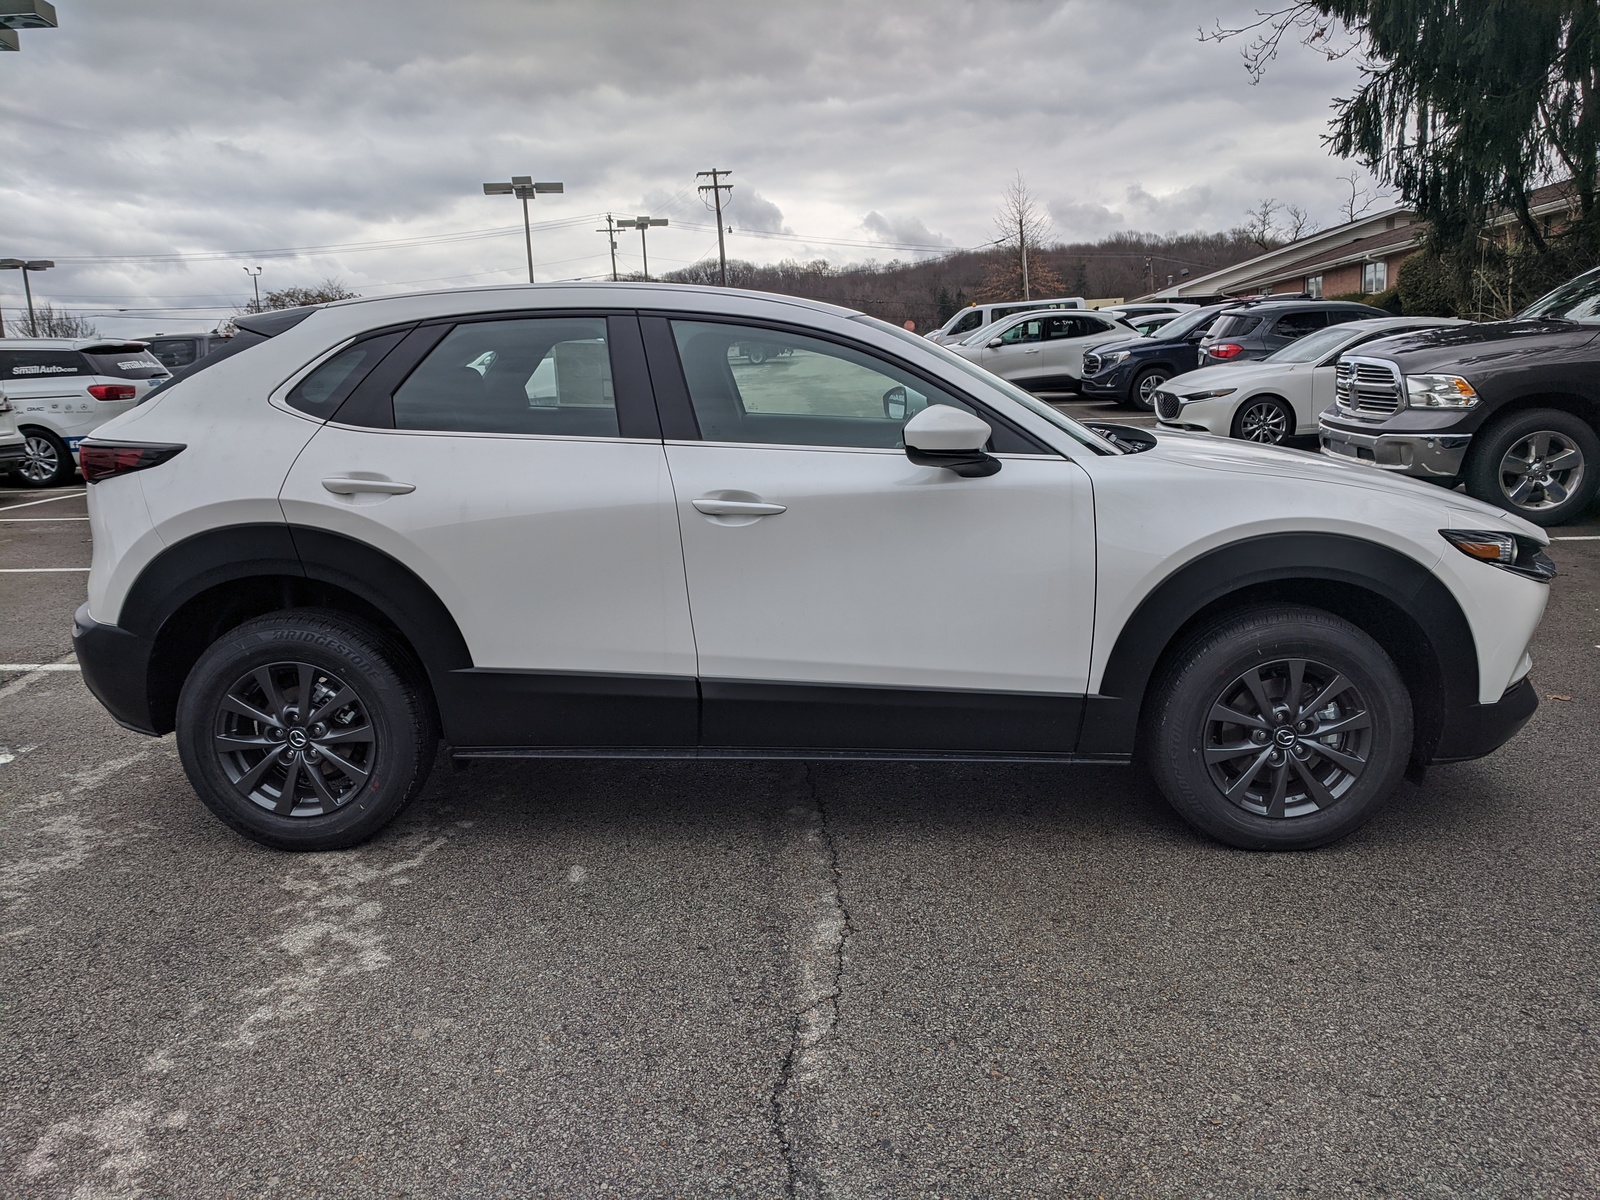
(1517,554)
(1439,391)
(1216,395)
(1115,357)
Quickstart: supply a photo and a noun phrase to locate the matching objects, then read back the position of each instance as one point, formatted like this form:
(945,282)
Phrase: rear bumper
(12,453)
(1473,730)
(116,668)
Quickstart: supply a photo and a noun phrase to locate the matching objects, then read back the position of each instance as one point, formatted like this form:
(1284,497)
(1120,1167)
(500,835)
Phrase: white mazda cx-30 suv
(574,520)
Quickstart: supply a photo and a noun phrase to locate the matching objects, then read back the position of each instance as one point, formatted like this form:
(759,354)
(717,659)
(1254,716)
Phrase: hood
(1490,343)
(1229,455)
(1236,374)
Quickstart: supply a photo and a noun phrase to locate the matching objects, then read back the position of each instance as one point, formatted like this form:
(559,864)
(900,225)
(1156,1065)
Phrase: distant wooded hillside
(930,291)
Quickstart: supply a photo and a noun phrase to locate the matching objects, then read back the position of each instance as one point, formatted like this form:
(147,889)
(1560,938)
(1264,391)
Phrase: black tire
(1328,789)
(756,353)
(1144,384)
(1550,489)
(238,740)
(48,462)
(1267,420)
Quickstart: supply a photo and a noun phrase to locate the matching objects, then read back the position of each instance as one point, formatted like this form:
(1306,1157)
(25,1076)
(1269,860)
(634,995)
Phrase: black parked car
(1265,326)
(1131,371)
(1510,408)
(178,350)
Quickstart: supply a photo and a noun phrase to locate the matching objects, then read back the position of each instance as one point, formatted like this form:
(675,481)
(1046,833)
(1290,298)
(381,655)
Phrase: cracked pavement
(775,979)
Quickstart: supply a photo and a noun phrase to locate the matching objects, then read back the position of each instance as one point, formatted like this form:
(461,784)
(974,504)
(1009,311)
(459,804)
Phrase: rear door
(846,598)
(515,465)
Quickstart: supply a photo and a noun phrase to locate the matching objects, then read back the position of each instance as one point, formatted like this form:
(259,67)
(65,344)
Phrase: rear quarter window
(1234,326)
(124,362)
(41,364)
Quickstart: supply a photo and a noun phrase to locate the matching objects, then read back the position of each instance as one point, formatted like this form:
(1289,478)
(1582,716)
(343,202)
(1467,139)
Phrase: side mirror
(943,436)
(995,343)
(900,402)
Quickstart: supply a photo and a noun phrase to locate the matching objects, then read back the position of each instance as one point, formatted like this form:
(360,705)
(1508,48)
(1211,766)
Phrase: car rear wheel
(306,730)
(1279,728)
(1542,465)
(1146,386)
(1265,419)
(46,460)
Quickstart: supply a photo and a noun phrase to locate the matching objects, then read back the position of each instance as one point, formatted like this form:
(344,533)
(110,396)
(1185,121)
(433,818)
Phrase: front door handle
(1032,350)
(342,486)
(715,506)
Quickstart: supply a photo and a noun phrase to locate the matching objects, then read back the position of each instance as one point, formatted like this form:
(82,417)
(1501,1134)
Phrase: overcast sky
(165,145)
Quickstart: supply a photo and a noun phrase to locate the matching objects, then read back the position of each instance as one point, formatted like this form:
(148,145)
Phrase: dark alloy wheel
(1279,727)
(306,730)
(1146,386)
(1543,466)
(46,460)
(1264,419)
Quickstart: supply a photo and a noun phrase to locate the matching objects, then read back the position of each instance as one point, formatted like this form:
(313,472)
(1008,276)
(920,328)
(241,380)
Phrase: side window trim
(678,421)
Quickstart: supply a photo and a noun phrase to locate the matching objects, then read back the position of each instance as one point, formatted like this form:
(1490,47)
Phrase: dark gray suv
(1261,327)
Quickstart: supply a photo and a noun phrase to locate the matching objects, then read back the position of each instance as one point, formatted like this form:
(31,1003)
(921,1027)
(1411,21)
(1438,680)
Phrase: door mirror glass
(901,402)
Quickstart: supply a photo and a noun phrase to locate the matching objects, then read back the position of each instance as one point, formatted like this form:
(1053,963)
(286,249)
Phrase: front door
(845,598)
(511,472)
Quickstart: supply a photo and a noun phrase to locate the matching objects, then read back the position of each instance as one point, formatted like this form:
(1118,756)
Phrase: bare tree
(326,292)
(1360,200)
(1297,223)
(1329,34)
(49,322)
(1261,224)
(1023,229)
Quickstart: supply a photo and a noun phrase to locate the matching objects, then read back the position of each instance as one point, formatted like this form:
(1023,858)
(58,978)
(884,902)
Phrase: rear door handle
(341,486)
(715,506)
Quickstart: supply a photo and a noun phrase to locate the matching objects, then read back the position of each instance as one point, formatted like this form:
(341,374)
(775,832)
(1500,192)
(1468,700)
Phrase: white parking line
(38,570)
(39,667)
(36,520)
(46,500)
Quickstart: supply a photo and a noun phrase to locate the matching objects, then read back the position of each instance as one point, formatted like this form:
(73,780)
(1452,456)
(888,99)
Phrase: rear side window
(1234,325)
(41,364)
(321,393)
(124,362)
(1298,324)
(175,352)
(533,375)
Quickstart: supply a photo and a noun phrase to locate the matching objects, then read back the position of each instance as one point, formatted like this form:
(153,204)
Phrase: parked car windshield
(1184,324)
(1314,345)
(1576,300)
(1079,433)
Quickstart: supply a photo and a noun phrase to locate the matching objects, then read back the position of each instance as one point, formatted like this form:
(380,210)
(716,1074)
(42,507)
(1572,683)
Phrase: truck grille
(1367,387)
(1091,364)
(1166,406)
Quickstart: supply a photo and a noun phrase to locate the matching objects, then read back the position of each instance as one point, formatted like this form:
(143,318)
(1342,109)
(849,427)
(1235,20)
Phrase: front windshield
(1186,323)
(1314,345)
(1079,433)
(1576,300)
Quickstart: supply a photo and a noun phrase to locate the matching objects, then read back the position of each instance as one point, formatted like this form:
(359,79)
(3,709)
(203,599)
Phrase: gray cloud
(233,127)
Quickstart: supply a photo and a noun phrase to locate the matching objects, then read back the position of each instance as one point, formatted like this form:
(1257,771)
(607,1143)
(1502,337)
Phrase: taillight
(1225,350)
(113,391)
(102,460)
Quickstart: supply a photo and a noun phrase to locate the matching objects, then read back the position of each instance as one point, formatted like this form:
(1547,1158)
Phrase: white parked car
(1277,397)
(62,389)
(572,520)
(978,316)
(1042,352)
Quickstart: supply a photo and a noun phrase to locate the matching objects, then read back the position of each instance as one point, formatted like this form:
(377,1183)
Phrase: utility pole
(716,187)
(642,224)
(255,278)
(1022,240)
(611,240)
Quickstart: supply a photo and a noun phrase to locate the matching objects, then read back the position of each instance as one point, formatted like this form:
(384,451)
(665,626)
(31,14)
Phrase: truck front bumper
(1425,455)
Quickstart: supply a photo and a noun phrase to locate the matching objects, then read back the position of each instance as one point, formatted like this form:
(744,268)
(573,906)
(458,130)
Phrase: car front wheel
(1279,728)
(1543,465)
(1264,419)
(1146,386)
(306,730)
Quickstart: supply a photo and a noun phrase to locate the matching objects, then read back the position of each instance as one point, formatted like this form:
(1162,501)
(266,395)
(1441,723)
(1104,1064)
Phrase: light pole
(641,224)
(23,14)
(26,265)
(524,188)
(255,279)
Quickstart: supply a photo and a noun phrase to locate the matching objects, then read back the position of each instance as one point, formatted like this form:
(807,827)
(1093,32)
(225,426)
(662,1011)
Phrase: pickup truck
(1509,408)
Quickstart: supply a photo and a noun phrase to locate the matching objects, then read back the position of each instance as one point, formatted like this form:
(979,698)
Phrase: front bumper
(1113,385)
(116,668)
(1473,730)
(1424,455)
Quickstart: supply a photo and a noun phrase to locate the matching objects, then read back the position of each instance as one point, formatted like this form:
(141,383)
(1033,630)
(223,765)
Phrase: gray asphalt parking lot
(650,979)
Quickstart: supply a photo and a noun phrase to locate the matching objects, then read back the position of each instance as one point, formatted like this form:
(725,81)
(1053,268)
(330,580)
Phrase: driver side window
(1024,331)
(777,388)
